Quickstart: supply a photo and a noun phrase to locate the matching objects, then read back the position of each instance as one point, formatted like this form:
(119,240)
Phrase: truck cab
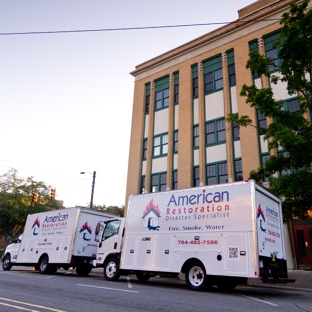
(111,242)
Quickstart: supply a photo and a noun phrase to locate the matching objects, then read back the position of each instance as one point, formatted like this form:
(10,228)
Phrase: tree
(115,210)
(290,133)
(16,202)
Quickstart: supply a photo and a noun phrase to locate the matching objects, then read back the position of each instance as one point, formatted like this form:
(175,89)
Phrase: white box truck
(217,235)
(59,238)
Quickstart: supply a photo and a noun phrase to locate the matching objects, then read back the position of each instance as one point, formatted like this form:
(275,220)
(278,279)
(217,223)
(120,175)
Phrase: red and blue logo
(36,226)
(261,217)
(86,231)
(151,217)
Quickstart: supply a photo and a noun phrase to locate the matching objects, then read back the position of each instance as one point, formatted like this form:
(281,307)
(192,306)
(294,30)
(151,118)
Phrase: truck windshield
(111,229)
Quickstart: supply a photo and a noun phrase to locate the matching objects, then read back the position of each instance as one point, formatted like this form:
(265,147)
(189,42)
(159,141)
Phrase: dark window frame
(196,136)
(217,173)
(158,182)
(163,145)
(144,149)
(214,134)
(196,176)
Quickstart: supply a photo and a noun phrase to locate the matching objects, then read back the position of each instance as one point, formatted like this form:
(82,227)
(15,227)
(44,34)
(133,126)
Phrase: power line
(127,28)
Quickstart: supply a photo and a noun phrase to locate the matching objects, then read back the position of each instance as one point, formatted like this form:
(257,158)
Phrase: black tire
(142,276)
(195,277)
(111,269)
(227,283)
(6,264)
(44,266)
(37,267)
(83,270)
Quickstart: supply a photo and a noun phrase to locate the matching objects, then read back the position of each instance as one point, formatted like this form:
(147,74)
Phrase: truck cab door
(111,240)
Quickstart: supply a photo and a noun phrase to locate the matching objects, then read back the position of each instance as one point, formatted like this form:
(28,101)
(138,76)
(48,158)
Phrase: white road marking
(100,287)
(129,283)
(267,302)
(29,304)
(17,307)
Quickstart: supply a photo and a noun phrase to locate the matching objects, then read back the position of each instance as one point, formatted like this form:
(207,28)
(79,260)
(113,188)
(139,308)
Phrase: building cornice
(237,26)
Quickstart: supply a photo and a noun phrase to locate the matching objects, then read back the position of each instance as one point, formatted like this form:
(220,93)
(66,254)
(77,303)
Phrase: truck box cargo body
(60,238)
(217,235)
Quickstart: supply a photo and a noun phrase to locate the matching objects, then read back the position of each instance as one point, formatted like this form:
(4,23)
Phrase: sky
(66,98)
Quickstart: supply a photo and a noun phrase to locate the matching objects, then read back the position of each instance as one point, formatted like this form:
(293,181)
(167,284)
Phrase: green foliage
(16,202)
(115,210)
(290,133)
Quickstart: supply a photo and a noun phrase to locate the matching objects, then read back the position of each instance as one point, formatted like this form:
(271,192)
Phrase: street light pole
(92,190)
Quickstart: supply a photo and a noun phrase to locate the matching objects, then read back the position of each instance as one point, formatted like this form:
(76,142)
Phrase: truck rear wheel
(45,267)
(227,283)
(6,264)
(142,276)
(111,269)
(83,270)
(196,278)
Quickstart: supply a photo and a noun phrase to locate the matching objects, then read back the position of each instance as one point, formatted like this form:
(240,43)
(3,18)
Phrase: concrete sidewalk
(303,281)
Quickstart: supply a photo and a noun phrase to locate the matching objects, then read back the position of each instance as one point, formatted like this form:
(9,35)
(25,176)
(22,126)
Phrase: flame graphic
(86,227)
(151,207)
(260,213)
(36,223)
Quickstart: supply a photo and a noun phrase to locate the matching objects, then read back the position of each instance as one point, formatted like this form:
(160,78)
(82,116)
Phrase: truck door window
(111,229)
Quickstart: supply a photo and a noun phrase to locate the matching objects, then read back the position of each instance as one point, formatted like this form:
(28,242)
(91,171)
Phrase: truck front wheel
(196,278)
(6,264)
(111,269)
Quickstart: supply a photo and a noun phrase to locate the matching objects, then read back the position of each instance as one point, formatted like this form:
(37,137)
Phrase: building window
(147,97)
(215,131)
(175,141)
(232,76)
(262,124)
(158,182)
(175,180)
(195,136)
(218,79)
(162,93)
(160,147)
(264,159)
(217,173)
(147,104)
(238,170)
(235,129)
(176,94)
(196,176)
(293,105)
(213,81)
(176,88)
(253,46)
(144,153)
(195,87)
(271,51)
(162,99)
(143,184)
(213,76)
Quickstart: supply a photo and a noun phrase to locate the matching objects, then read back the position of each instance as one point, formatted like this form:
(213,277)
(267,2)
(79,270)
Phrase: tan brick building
(179,136)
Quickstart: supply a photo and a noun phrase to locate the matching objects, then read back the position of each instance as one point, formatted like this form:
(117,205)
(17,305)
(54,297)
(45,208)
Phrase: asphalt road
(22,289)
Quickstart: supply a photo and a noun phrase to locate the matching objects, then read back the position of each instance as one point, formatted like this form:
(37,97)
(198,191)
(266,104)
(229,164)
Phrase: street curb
(279,287)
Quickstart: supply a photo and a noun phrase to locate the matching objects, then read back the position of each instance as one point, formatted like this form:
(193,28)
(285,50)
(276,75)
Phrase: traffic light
(53,193)
(35,197)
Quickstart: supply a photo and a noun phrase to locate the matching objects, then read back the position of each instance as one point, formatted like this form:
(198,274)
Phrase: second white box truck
(59,238)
